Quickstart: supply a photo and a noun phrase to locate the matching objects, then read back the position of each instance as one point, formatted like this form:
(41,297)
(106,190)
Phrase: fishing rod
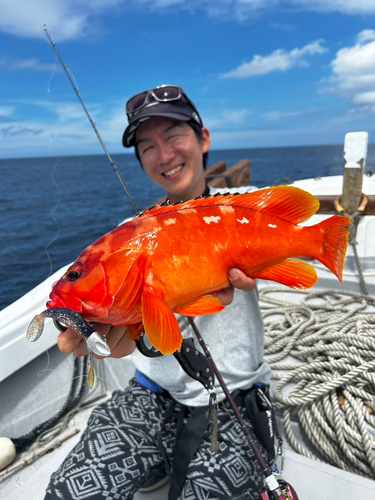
(277,489)
(93,124)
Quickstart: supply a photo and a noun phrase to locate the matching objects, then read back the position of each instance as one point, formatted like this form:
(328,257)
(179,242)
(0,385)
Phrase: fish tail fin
(335,243)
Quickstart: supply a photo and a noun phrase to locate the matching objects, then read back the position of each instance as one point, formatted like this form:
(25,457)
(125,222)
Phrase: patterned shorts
(128,439)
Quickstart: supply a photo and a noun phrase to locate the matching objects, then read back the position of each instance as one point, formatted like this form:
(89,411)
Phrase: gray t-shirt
(235,340)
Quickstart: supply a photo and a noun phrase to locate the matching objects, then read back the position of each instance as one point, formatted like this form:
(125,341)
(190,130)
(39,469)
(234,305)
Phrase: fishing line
(77,385)
(55,220)
(113,165)
(42,372)
(53,217)
(64,390)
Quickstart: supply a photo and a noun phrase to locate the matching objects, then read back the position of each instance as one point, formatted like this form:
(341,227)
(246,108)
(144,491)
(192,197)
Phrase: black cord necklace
(206,192)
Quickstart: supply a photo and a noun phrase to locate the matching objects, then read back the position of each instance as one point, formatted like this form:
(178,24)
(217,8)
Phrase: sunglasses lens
(136,102)
(167,93)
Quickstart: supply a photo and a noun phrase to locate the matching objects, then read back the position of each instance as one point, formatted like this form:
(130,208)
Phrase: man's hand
(239,280)
(116,336)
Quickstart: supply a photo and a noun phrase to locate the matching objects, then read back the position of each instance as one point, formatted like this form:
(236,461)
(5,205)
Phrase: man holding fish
(172,145)
(130,440)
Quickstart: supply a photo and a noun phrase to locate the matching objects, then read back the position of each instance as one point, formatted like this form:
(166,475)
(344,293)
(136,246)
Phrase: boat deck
(26,382)
(310,478)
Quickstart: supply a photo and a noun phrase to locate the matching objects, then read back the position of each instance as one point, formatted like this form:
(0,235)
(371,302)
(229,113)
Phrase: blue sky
(263,73)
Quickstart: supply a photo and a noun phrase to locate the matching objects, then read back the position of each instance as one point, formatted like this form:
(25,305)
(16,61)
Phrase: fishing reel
(287,492)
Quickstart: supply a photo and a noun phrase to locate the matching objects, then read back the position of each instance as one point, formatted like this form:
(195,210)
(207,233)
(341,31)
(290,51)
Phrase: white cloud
(245,9)
(65,19)
(213,123)
(113,125)
(6,111)
(364,98)
(26,18)
(365,36)
(277,115)
(33,64)
(354,70)
(37,136)
(236,116)
(73,19)
(279,60)
(162,4)
(343,6)
(67,112)
(71,131)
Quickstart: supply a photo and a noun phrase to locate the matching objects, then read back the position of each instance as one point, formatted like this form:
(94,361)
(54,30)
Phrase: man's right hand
(116,337)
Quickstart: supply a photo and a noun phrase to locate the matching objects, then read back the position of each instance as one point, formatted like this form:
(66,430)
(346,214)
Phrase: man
(163,407)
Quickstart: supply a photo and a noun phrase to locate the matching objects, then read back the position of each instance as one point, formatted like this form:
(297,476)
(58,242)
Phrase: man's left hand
(239,280)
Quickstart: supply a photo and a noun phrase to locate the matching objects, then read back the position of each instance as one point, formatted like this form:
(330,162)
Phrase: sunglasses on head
(165,93)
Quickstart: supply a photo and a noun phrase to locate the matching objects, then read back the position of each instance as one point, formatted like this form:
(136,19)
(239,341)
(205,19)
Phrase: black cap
(180,109)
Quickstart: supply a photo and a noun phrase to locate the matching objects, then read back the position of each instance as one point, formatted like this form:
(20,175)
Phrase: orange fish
(171,258)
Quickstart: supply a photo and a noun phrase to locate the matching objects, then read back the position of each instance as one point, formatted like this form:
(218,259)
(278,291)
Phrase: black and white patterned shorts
(128,439)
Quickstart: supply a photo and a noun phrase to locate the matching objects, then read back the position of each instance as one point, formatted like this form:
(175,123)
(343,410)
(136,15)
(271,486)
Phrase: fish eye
(74,271)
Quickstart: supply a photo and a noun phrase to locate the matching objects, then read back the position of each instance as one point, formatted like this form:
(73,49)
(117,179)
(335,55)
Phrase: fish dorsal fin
(286,202)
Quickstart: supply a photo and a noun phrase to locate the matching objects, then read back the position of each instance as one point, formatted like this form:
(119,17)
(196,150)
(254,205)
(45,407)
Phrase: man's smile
(173,171)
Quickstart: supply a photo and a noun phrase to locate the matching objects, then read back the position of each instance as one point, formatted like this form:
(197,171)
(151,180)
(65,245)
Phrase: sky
(263,73)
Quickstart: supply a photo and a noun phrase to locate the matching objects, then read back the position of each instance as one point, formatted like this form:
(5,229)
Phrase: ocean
(51,209)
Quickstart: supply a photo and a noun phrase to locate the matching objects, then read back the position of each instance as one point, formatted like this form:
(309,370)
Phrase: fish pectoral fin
(161,325)
(202,306)
(134,331)
(294,273)
(123,286)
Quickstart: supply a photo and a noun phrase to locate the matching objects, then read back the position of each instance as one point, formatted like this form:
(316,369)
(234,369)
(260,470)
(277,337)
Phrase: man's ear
(206,140)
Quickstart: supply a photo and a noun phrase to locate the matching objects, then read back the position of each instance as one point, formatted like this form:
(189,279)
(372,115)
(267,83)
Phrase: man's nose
(166,153)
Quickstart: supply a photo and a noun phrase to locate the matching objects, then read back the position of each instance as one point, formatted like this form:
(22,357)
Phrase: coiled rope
(323,343)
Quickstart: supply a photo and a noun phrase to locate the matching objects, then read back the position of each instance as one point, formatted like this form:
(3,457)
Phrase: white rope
(321,348)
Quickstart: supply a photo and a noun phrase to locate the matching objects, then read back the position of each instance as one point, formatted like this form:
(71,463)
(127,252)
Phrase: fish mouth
(173,171)
(53,305)
(57,301)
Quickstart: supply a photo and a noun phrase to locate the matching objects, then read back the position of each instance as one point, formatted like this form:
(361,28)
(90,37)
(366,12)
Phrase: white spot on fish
(188,211)
(168,222)
(180,261)
(272,225)
(219,247)
(152,240)
(243,221)
(226,210)
(150,236)
(212,218)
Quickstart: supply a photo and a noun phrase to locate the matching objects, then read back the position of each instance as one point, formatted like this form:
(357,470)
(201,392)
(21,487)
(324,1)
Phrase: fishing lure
(73,320)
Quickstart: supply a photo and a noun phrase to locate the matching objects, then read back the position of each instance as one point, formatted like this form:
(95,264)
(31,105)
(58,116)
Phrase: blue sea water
(52,208)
